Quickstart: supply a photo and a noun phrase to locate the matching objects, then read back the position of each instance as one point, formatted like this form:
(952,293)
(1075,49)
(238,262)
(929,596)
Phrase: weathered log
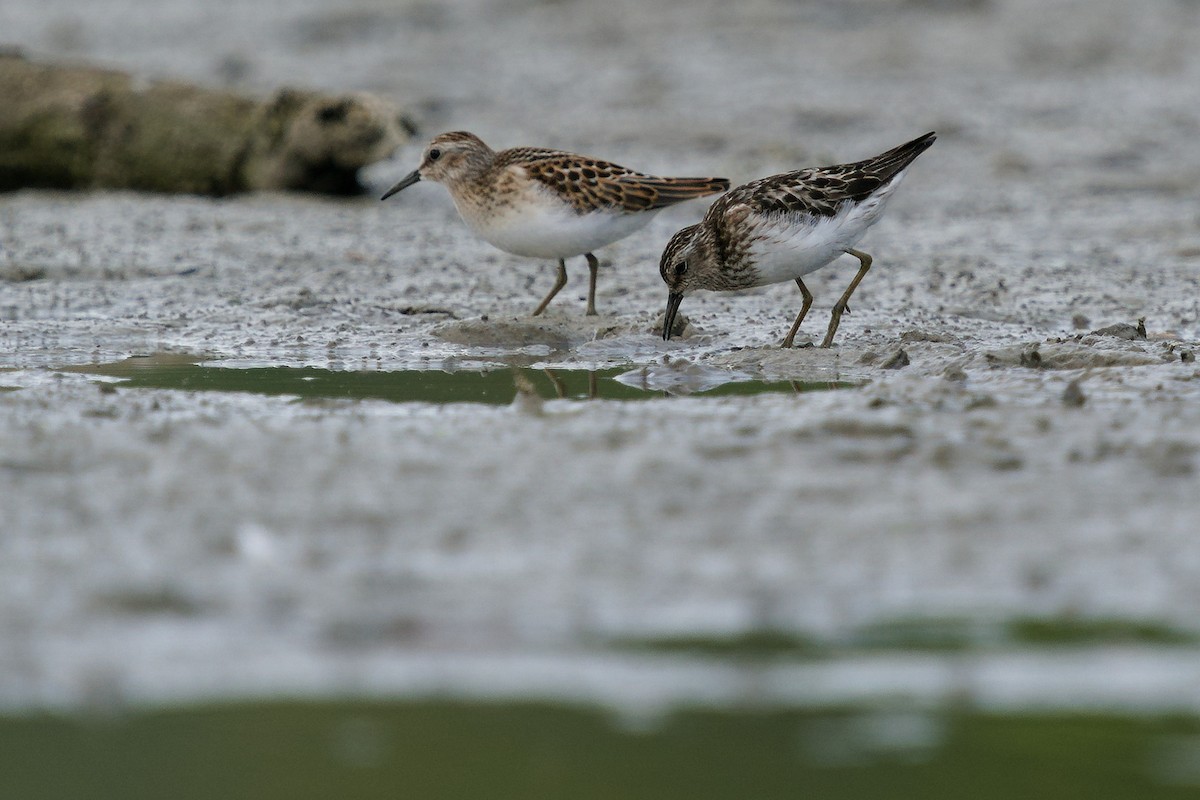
(73,127)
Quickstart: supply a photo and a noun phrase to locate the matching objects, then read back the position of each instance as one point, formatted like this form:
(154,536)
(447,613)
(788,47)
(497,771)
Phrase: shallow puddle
(495,385)
(447,749)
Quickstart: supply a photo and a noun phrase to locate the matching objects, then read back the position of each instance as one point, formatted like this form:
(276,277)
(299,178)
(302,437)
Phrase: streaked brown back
(821,191)
(589,184)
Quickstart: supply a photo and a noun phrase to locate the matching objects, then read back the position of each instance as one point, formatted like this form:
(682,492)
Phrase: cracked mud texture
(247,544)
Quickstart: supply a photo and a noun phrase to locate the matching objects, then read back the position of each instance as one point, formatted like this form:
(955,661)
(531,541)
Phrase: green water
(494,386)
(926,634)
(437,749)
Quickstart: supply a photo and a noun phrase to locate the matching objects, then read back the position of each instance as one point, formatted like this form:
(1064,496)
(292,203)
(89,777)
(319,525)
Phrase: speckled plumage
(591,185)
(784,226)
(547,203)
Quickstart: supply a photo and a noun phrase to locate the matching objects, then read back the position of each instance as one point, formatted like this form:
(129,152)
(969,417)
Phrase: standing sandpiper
(548,203)
(783,227)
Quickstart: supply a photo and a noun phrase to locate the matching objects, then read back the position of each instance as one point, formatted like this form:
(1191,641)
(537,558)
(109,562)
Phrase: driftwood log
(71,127)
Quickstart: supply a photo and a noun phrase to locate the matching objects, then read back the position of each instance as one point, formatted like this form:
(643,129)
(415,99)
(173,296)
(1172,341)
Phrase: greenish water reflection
(448,750)
(926,634)
(495,386)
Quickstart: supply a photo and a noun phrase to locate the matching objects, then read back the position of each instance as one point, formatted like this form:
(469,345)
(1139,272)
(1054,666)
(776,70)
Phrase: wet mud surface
(1011,445)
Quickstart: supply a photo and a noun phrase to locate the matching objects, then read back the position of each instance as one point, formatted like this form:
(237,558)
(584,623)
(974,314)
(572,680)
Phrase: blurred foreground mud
(76,127)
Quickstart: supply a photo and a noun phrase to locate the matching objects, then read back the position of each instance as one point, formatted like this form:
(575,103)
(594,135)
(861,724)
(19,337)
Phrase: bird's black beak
(673,301)
(406,182)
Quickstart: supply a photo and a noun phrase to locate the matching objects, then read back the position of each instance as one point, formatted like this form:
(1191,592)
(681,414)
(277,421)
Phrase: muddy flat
(283,446)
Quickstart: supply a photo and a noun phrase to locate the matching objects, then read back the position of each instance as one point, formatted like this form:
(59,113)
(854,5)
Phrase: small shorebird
(547,203)
(783,227)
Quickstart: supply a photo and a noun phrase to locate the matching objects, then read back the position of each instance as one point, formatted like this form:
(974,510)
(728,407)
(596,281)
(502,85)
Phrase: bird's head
(449,158)
(687,263)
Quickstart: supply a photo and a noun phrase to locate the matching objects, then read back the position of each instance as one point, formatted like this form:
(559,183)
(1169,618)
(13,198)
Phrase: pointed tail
(885,165)
(669,191)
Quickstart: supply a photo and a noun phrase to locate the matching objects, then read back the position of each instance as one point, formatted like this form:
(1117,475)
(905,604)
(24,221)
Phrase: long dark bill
(407,181)
(673,301)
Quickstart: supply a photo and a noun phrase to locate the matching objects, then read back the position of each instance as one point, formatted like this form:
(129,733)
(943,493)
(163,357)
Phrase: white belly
(791,247)
(544,227)
(788,251)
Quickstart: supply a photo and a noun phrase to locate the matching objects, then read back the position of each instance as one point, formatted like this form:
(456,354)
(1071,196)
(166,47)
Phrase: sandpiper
(548,203)
(782,227)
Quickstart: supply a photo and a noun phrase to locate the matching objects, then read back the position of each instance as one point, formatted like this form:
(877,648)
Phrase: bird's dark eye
(435,154)
(680,268)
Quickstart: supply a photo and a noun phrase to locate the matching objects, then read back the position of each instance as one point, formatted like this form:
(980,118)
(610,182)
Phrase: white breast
(538,224)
